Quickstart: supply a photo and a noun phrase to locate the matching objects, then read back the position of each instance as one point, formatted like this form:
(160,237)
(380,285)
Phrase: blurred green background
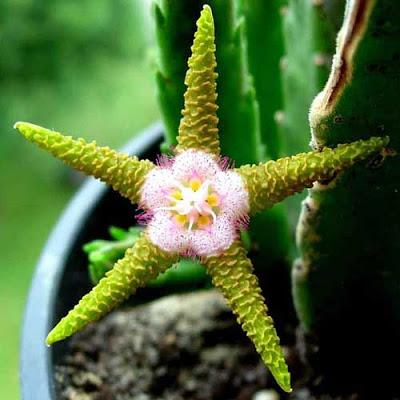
(82,67)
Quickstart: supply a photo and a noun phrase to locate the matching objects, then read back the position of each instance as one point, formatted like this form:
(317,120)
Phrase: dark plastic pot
(61,276)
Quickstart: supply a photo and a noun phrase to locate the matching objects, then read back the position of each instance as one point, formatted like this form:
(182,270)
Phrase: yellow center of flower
(194,204)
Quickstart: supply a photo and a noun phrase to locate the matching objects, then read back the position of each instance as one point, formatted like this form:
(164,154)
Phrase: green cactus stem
(265,49)
(239,119)
(327,16)
(238,108)
(174,27)
(346,281)
(309,29)
(298,74)
(241,123)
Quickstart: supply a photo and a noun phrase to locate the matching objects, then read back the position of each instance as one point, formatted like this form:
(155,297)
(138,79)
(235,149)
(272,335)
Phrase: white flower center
(194,204)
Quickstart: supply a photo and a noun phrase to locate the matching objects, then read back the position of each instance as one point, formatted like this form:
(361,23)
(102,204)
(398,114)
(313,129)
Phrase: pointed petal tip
(206,13)
(52,337)
(284,383)
(200,109)
(26,128)
(287,388)
(281,376)
(20,125)
(49,340)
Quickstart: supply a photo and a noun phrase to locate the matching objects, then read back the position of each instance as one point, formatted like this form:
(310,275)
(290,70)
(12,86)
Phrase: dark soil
(179,347)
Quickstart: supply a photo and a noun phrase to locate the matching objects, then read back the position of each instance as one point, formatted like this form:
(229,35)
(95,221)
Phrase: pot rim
(36,370)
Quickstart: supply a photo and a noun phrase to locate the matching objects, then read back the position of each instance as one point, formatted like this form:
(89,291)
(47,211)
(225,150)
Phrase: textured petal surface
(192,162)
(166,234)
(124,173)
(232,273)
(140,264)
(158,184)
(198,128)
(214,240)
(270,183)
(233,193)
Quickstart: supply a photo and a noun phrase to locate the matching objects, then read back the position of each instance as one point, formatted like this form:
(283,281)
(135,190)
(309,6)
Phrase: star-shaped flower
(195,205)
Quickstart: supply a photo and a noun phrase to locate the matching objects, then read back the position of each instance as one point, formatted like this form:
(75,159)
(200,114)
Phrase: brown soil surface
(176,348)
